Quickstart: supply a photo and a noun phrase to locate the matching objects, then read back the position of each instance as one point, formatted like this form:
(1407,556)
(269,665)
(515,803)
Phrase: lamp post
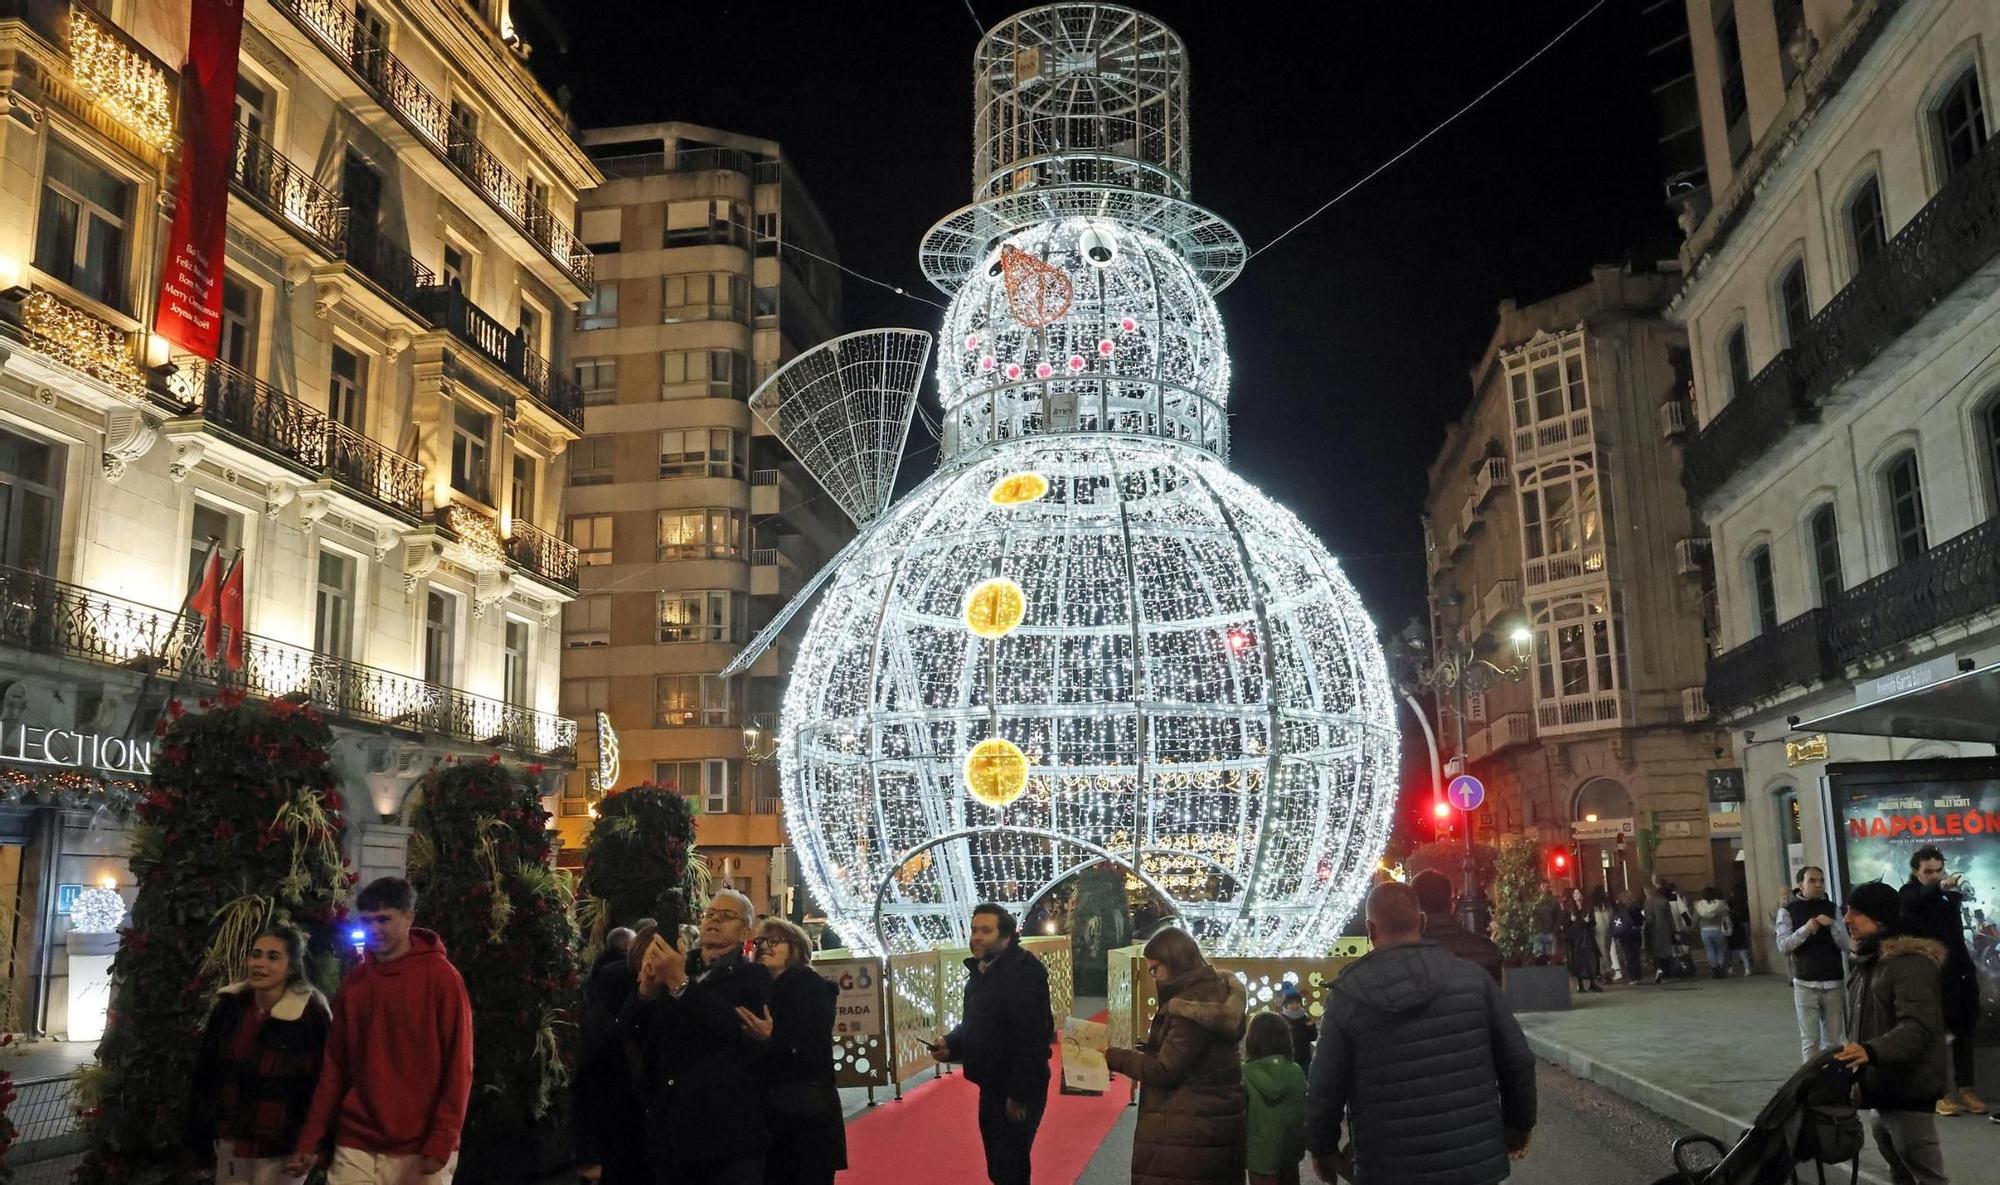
(1462,671)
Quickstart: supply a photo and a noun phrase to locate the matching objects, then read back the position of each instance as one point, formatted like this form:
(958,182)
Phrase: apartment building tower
(692,524)
(1555,505)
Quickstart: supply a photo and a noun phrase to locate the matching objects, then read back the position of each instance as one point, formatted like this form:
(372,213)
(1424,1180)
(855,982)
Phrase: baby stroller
(1811,1118)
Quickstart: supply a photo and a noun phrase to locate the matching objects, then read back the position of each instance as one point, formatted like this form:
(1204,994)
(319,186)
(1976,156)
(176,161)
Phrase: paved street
(1585,1134)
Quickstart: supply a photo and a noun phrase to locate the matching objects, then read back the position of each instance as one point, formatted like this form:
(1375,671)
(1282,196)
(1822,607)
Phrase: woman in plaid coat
(258,1063)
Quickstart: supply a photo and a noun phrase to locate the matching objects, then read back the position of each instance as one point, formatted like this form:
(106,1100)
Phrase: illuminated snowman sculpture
(1083,639)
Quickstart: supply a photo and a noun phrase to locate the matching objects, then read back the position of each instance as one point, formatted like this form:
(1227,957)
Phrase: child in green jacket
(1277,1090)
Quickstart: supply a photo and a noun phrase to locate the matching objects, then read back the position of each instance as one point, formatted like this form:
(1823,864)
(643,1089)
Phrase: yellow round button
(994,607)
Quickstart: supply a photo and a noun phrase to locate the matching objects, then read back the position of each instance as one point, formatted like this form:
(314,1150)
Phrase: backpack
(1829,1130)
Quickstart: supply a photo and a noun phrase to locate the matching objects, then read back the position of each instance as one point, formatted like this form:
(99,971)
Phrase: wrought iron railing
(282,426)
(1952,581)
(543,554)
(360,48)
(382,262)
(1797,653)
(47,1114)
(447,308)
(269,180)
(1947,241)
(49,616)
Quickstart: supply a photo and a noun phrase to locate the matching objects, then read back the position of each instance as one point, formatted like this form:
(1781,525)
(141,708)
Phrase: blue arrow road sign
(1466,792)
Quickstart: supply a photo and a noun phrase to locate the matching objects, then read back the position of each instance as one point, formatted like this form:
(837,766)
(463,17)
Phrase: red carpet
(933,1134)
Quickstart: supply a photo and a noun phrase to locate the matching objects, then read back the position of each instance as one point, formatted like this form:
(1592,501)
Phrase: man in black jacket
(1422,1057)
(1004,1042)
(1895,1031)
(1933,907)
(705,1123)
(608,1118)
(1434,895)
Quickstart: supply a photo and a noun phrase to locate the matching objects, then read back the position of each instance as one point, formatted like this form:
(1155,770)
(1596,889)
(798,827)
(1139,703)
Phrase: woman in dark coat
(1192,1110)
(808,1141)
(258,1062)
(1628,930)
(1579,927)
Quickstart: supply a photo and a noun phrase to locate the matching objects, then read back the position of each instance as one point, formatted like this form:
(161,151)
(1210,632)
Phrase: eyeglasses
(721,915)
(768,943)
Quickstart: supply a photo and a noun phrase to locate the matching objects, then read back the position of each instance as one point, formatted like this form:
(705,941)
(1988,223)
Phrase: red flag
(190,310)
(231,613)
(205,601)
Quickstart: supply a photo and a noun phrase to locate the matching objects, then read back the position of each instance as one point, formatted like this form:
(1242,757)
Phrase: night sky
(1352,339)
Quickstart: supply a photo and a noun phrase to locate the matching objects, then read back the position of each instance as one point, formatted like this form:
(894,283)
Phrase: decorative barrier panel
(1261,978)
(860,1023)
(1054,952)
(916,1012)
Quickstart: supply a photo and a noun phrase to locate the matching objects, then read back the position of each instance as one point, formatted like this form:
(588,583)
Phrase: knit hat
(1877,902)
(1290,991)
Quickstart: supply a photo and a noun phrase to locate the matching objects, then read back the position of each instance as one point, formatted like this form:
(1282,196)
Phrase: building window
(1549,390)
(1736,362)
(1989,430)
(253,106)
(239,325)
(346,382)
(696,373)
(1574,651)
(470,431)
(80,233)
(1735,96)
(601,310)
(522,490)
(767,233)
(1763,591)
(1794,306)
(587,622)
(1905,491)
(211,526)
(590,461)
(440,636)
(1826,554)
(584,698)
(711,533)
(333,606)
(361,192)
(31,473)
(701,452)
(514,665)
(699,616)
(457,270)
(704,296)
(1561,519)
(764,305)
(687,700)
(530,324)
(699,223)
(1867,223)
(599,379)
(1959,123)
(591,535)
(713,779)
(601,230)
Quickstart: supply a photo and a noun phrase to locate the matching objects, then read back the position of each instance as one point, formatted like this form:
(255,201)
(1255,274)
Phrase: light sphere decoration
(1084,639)
(97,910)
(995,607)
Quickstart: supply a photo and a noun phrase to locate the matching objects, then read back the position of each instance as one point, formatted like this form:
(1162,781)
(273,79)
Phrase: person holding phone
(705,1112)
(1934,907)
(1004,1041)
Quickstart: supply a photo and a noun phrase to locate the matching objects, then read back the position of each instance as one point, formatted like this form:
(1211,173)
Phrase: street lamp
(1462,671)
(760,740)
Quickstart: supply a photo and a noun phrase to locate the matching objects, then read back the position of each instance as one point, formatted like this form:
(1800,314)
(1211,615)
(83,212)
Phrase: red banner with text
(190,313)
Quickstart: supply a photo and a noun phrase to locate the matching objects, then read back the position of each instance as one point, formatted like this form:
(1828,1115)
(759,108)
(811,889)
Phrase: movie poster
(1888,809)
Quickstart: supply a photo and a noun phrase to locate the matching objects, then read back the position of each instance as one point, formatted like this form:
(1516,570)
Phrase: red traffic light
(1442,810)
(1561,860)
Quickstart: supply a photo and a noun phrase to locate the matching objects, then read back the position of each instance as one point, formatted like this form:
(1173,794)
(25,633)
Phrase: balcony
(542,554)
(269,181)
(1957,579)
(50,617)
(1469,521)
(384,76)
(1691,555)
(447,308)
(83,342)
(1578,713)
(278,425)
(1501,597)
(1564,434)
(114,71)
(1674,419)
(1510,731)
(1570,565)
(390,269)
(1948,241)
(1796,654)
(1477,744)
(1694,704)
(1492,475)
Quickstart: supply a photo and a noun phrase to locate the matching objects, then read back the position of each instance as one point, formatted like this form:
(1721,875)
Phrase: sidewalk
(1709,1054)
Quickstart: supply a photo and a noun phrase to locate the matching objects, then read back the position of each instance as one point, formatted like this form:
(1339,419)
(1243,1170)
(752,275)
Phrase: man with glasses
(1004,1042)
(704,1119)
(1934,908)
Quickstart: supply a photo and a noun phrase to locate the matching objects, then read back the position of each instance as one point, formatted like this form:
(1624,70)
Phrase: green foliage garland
(639,855)
(243,798)
(1515,890)
(481,862)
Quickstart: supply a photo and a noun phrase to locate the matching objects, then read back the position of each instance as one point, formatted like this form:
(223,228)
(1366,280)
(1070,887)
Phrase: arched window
(1736,362)
(1575,654)
(1988,427)
(1867,223)
(1763,592)
(1601,799)
(1903,487)
(1794,306)
(1958,123)
(1562,524)
(1825,532)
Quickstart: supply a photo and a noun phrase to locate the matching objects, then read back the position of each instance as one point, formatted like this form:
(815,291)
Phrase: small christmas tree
(1516,888)
(481,861)
(639,861)
(240,828)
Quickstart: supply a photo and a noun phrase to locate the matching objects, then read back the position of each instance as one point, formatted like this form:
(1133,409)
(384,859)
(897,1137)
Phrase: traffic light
(1558,863)
(1442,810)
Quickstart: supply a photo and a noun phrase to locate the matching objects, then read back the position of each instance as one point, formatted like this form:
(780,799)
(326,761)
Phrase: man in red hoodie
(398,1068)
